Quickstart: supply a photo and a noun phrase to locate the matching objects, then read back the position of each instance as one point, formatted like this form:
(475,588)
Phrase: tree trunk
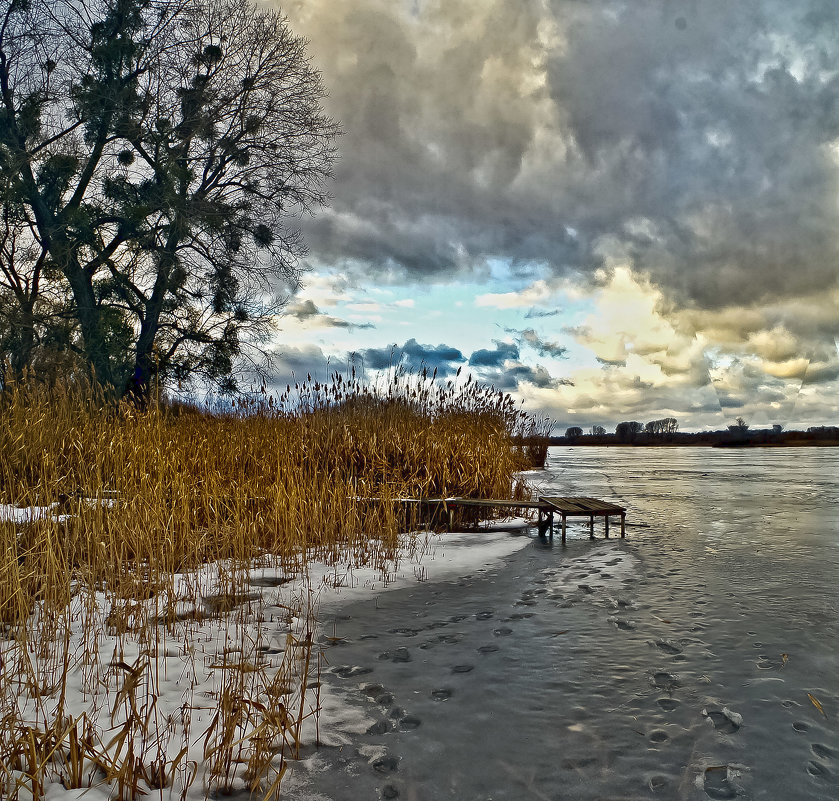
(138,388)
(90,322)
(145,366)
(21,357)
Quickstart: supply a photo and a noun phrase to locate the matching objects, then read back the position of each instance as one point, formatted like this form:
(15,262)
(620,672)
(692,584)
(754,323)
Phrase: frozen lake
(698,658)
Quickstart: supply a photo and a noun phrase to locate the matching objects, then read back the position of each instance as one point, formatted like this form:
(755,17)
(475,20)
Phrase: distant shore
(792,444)
(758,438)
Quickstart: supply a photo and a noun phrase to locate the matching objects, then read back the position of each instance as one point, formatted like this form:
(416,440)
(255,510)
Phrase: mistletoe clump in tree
(156,158)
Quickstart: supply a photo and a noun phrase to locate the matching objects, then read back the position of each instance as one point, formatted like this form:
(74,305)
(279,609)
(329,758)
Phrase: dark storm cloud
(511,374)
(542,346)
(821,373)
(823,365)
(510,378)
(307,310)
(692,139)
(414,356)
(292,365)
(438,125)
(500,367)
(495,357)
(710,143)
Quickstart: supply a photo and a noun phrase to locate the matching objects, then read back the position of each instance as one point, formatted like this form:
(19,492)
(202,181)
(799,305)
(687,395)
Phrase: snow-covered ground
(200,674)
(26,514)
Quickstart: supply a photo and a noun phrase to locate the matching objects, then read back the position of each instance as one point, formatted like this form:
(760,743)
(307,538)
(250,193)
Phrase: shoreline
(795,444)
(414,675)
(260,642)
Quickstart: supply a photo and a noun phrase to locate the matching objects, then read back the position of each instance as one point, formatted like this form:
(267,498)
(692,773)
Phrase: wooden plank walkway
(548,506)
(447,506)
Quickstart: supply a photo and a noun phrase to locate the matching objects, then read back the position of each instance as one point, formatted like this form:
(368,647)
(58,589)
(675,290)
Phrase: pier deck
(584,507)
(548,506)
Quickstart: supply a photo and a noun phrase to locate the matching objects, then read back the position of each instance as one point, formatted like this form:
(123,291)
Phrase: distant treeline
(665,432)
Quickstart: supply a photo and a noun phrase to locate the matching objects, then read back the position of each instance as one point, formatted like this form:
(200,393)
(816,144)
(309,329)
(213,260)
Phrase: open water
(696,659)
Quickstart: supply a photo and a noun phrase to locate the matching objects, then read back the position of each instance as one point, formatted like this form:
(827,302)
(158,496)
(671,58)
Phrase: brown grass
(139,501)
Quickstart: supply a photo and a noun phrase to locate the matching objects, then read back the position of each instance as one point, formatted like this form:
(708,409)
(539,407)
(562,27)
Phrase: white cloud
(703,368)
(326,289)
(570,146)
(537,293)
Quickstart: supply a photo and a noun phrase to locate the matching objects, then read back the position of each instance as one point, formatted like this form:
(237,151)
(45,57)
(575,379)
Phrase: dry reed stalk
(133,504)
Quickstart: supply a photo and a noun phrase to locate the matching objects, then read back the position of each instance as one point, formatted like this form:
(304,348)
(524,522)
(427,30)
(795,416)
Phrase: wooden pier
(584,507)
(548,506)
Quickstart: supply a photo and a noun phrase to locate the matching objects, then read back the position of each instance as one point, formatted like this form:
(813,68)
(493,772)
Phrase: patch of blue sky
(469,316)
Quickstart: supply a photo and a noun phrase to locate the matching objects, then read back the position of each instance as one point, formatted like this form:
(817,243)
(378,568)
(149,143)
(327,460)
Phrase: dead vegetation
(128,549)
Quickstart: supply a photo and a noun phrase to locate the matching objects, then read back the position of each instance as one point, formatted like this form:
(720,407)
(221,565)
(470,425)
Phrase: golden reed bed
(95,588)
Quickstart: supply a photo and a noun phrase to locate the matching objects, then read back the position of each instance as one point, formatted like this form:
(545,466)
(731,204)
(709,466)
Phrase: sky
(613,210)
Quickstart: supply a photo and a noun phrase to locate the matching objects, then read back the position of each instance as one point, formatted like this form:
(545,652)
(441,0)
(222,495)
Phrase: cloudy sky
(614,209)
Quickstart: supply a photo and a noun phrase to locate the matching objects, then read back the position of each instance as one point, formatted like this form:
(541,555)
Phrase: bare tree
(21,268)
(67,71)
(667,425)
(740,427)
(164,153)
(36,322)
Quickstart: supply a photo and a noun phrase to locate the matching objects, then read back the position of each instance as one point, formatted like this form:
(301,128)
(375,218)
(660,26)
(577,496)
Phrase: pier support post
(546,522)
(591,527)
(607,526)
(623,525)
(563,529)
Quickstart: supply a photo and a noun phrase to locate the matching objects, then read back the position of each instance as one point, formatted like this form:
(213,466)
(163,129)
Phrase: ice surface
(676,664)
(684,662)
